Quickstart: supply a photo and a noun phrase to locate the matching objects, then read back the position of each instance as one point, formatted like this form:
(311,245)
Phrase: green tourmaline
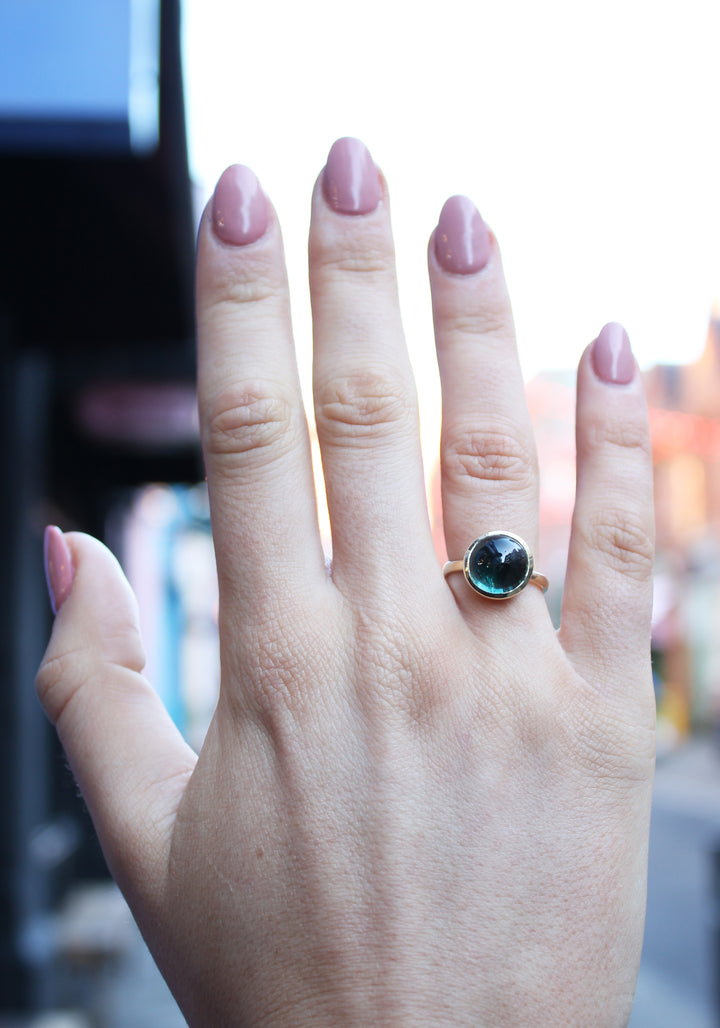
(498,565)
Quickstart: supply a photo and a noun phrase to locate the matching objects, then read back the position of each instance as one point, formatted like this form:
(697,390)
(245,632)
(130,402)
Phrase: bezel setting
(517,582)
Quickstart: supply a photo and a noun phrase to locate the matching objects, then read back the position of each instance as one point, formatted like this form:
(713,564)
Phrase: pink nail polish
(59,570)
(612,356)
(462,239)
(240,209)
(351,183)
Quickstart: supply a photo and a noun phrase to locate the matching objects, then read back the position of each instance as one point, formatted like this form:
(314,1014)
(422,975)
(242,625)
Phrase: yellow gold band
(498,565)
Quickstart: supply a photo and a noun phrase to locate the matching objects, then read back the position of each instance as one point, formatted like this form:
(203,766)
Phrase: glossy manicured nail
(462,240)
(59,570)
(351,183)
(612,355)
(240,209)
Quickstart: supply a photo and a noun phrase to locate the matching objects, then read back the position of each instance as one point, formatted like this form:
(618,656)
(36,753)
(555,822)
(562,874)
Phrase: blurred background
(590,141)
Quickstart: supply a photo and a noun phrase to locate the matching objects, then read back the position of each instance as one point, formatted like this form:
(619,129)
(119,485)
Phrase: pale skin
(414,806)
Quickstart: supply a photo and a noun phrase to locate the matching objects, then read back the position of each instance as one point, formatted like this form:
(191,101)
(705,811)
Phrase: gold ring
(498,565)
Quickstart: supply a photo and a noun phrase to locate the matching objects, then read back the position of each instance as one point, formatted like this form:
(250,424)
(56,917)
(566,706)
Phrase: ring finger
(489,465)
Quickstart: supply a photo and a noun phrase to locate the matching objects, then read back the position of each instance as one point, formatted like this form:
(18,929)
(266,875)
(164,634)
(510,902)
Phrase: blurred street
(675,989)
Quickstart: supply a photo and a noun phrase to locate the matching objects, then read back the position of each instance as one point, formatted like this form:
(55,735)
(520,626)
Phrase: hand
(414,805)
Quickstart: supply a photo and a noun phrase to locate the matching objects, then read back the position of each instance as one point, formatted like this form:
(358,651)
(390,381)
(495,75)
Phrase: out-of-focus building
(685,422)
(685,428)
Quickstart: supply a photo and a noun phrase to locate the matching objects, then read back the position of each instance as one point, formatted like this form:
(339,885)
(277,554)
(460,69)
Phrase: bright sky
(587,134)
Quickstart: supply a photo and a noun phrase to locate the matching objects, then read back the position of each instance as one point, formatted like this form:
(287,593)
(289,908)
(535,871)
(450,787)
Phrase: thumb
(129,760)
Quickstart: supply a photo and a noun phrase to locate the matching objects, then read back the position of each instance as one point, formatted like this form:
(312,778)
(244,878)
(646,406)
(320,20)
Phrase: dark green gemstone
(498,565)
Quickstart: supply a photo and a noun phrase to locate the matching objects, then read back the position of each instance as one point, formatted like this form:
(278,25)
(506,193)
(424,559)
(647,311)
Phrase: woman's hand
(414,805)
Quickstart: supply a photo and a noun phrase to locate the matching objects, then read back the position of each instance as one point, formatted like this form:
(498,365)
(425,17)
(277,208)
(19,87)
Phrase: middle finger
(365,400)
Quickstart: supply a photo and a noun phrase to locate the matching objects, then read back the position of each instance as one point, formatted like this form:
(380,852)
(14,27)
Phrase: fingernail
(240,208)
(351,183)
(59,570)
(612,355)
(462,239)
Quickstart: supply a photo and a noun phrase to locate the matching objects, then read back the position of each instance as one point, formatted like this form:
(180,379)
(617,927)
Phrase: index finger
(253,425)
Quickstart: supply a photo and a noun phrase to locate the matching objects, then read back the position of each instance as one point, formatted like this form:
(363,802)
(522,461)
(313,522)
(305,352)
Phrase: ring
(498,565)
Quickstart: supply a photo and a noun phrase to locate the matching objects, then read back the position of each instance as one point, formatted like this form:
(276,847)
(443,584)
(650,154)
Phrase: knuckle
(278,684)
(484,324)
(490,457)
(367,256)
(387,656)
(287,670)
(59,680)
(123,643)
(624,435)
(246,420)
(365,404)
(614,745)
(231,292)
(240,281)
(399,665)
(624,542)
(373,265)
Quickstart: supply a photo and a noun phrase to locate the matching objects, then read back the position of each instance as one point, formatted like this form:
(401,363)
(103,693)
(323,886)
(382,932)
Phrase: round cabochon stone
(498,565)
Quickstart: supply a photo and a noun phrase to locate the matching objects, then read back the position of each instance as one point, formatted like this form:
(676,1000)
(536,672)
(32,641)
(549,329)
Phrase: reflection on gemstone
(498,565)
